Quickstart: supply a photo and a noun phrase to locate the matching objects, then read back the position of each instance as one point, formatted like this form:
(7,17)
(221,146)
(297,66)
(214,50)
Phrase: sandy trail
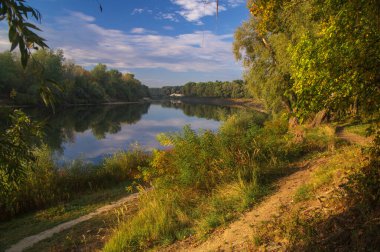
(238,236)
(31,240)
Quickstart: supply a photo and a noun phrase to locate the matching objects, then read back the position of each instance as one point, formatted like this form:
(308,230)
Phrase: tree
(312,55)
(338,68)
(21,33)
(16,153)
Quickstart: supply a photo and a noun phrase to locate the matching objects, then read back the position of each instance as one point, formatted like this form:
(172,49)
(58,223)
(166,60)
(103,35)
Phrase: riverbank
(238,102)
(230,102)
(47,184)
(241,102)
(6,105)
(230,200)
(35,222)
(233,170)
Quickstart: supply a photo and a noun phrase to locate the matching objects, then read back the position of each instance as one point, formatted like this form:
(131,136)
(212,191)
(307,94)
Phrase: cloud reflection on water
(158,119)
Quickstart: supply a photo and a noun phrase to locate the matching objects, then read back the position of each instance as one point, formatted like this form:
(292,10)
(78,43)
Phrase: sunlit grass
(333,208)
(46,184)
(206,180)
(33,223)
(337,162)
(360,129)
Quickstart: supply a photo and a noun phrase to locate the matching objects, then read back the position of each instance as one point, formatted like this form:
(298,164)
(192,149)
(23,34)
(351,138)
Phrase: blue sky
(163,42)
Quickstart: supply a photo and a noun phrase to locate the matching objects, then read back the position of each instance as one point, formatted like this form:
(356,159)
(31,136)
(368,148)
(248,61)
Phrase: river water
(91,133)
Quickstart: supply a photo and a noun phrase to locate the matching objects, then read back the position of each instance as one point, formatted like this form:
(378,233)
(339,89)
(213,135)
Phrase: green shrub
(123,165)
(205,178)
(45,183)
(17,142)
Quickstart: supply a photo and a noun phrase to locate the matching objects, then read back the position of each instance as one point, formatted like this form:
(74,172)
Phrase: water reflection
(202,110)
(92,132)
(66,125)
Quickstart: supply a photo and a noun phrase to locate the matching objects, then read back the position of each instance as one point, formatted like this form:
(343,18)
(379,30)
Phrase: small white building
(176,95)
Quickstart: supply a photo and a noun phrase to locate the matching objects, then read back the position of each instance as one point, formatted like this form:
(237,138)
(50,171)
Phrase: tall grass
(206,178)
(46,183)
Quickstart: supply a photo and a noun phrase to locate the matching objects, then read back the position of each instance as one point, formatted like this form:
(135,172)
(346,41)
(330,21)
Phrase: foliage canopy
(313,55)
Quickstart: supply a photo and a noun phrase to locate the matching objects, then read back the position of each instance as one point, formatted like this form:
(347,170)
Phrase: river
(91,133)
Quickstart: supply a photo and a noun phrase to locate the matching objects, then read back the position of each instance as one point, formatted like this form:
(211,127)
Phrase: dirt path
(31,240)
(239,234)
(352,137)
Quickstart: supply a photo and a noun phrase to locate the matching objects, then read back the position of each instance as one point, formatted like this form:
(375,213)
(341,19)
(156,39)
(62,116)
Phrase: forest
(66,82)
(220,89)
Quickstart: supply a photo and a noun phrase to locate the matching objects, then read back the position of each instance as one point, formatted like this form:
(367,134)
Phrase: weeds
(346,217)
(205,179)
(46,184)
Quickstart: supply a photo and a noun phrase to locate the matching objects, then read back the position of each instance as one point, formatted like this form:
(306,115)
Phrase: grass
(33,223)
(226,204)
(89,235)
(206,180)
(45,184)
(202,182)
(337,162)
(359,129)
(303,193)
(330,211)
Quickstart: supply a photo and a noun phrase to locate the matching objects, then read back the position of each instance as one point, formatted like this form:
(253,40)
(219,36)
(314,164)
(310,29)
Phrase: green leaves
(21,33)
(313,55)
(334,68)
(16,146)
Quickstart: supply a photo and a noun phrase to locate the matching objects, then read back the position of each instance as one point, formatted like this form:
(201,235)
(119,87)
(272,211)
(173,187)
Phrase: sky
(163,42)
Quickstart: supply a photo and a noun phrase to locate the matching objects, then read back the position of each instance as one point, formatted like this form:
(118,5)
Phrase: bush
(46,184)
(16,156)
(204,179)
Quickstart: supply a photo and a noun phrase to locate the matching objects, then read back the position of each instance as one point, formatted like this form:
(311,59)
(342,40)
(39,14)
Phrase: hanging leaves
(21,33)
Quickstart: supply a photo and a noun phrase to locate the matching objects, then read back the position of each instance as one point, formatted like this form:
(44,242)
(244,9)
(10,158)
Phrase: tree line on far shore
(64,81)
(221,89)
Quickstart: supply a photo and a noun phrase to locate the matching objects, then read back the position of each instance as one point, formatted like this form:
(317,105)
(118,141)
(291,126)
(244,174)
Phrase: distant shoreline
(232,102)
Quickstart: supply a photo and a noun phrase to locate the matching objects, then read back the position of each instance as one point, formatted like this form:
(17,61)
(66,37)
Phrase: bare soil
(238,235)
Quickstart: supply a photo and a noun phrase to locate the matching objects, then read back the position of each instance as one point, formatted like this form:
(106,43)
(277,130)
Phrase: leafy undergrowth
(338,210)
(205,180)
(18,228)
(46,185)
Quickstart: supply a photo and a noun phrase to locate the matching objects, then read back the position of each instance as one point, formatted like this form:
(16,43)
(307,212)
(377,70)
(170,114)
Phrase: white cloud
(235,3)
(168,27)
(89,44)
(168,16)
(82,16)
(194,10)
(199,52)
(138,30)
(137,11)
